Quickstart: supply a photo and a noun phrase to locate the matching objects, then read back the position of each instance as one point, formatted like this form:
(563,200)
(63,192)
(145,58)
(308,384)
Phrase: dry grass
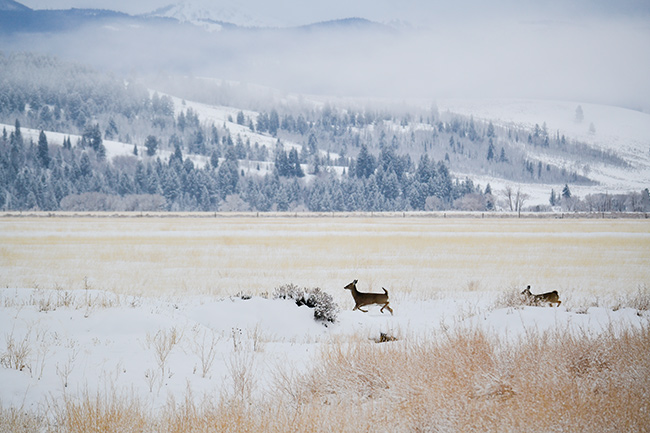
(223,256)
(465,380)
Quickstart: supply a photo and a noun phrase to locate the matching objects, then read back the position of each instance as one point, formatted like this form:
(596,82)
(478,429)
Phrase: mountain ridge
(18,18)
(11,5)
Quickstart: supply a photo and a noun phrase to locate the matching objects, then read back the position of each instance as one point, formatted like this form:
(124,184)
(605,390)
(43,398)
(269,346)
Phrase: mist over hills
(484,53)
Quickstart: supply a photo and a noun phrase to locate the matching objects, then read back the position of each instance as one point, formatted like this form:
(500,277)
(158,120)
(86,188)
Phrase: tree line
(79,177)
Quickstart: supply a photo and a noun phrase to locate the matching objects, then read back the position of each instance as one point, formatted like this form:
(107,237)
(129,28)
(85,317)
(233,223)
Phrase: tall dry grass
(465,380)
(223,256)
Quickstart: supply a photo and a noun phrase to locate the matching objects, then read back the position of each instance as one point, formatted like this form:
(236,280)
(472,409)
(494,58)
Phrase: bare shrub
(640,300)
(95,201)
(511,298)
(241,369)
(205,348)
(162,344)
(64,369)
(17,353)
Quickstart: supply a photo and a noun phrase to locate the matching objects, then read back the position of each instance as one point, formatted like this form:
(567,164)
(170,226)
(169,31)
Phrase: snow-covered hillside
(624,132)
(210,15)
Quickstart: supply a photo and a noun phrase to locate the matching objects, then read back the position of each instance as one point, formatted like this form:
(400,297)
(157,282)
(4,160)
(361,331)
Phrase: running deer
(550,297)
(361,299)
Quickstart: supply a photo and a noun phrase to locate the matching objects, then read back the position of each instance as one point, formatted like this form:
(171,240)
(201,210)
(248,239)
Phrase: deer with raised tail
(550,297)
(362,299)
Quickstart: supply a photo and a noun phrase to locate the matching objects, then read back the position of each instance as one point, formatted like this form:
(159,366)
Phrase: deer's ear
(355,281)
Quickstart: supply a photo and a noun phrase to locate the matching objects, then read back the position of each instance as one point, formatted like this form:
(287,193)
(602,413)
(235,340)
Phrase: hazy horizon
(588,51)
(416,12)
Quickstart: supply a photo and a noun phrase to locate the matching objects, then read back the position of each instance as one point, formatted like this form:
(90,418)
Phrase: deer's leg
(386,306)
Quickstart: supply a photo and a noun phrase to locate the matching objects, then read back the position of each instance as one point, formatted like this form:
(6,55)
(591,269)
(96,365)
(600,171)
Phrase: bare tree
(508,194)
(520,199)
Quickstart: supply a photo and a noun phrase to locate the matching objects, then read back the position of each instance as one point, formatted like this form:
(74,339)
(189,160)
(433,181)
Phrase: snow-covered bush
(325,309)
(512,298)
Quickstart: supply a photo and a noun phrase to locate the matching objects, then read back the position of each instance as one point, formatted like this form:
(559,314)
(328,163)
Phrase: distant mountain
(17,18)
(353,23)
(212,18)
(10,5)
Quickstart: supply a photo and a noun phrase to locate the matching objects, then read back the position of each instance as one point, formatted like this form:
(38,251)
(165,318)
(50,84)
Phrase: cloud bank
(600,57)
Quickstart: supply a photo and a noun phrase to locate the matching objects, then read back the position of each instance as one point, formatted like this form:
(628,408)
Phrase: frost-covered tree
(580,116)
(491,150)
(151,143)
(43,150)
(553,199)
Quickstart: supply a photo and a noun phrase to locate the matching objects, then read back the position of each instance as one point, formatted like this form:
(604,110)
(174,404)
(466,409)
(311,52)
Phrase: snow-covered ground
(57,343)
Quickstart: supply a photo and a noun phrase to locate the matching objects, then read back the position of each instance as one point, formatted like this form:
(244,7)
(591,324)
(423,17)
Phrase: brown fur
(361,299)
(550,297)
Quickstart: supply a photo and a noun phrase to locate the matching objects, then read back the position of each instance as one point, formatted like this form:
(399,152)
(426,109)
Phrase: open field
(146,324)
(224,256)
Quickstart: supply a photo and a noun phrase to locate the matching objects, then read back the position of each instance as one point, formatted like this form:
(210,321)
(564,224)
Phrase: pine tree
(281,162)
(274,123)
(490,130)
(18,135)
(151,143)
(240,118)
(365,163)
(43,150)
(312,144)
(491,150)
(294,163)
(566,192)
(262,122)
(580,116)
(214,159)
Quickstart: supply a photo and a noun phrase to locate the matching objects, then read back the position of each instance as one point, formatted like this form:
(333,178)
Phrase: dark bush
(325,309)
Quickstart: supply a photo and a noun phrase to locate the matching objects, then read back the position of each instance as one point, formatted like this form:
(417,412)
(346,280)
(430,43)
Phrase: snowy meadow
(193,323)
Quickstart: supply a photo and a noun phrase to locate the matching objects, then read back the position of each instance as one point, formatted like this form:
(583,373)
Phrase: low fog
(601,58)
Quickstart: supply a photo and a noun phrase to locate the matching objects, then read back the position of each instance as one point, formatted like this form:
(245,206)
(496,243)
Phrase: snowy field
(174,320)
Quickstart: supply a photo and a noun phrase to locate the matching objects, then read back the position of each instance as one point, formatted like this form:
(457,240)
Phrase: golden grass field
(418,255)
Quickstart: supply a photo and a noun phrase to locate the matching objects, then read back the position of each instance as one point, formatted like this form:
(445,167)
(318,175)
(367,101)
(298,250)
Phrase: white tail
(550,297)
(361,299)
